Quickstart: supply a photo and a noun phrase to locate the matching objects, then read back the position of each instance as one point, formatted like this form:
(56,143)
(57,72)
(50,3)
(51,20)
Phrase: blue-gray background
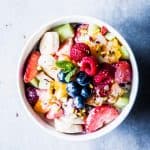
(20,18)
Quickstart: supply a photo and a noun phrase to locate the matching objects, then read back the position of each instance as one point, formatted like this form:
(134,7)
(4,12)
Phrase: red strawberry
(123,72)
(104,30)
(78,51)
(31,68)
(100,77)
(89,65)
(100,116)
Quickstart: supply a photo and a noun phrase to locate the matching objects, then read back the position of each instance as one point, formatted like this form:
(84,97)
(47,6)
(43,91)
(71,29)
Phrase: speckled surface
(19,19)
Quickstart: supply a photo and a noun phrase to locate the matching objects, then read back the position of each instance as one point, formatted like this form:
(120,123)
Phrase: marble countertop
(19,19)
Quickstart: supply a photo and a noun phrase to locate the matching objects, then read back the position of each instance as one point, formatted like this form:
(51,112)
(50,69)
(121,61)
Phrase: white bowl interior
(28,48)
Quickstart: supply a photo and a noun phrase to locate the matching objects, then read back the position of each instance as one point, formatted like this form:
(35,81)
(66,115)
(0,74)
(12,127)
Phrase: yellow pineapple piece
(111,52)
(60,90)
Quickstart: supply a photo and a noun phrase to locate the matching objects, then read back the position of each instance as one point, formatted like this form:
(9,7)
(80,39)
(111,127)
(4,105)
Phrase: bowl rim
(34,39)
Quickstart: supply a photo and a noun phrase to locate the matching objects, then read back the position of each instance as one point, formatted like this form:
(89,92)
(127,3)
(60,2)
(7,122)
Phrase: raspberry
(103,80)
(110,68)
(105,74)
(78,51)
(100,77)
(89,65)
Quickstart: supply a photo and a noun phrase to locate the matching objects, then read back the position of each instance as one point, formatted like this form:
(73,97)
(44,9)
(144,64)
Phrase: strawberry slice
(99,116)
(31,70)
(104,30)
(123,72)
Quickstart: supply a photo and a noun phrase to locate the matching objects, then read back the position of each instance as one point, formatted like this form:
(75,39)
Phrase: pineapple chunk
(60,90)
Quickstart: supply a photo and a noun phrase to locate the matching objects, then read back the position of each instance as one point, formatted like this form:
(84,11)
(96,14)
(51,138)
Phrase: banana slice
(49,43)
(65,48)
(52,72)
(46,61)
(44,81)
(66,127)
(72,119)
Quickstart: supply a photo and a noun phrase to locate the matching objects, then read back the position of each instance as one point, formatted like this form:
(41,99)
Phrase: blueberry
(79,102)
(86,92)
(31,95)
(83,79)
(61,76)
(73,89)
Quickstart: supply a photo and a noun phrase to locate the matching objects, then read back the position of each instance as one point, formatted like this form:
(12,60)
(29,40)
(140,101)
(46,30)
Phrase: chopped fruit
(104,30)
(108,67)
(66,66)
(89,65)
(124,52)
(34,82)
(109,36)
(79,102)
(42,106)
(101,39)
(93,30)
(81,34)
(65,48)
(65,127)
(46,61)
(31,68)
(83,79)
(116,90)
(78,51)
(123,72)
(52,114)
(64,57)
(32,95)
(44,95)
(44,84)
(43,76)
(52,72)
(55,110)
(49,43)
(61,76)
(86,92)
(99,116)
(101,77)
(70,74)
(110,53)
(73,89)
(65,32)
(60,90)
(44,80)
(72,119)
(122,102)
(103,89)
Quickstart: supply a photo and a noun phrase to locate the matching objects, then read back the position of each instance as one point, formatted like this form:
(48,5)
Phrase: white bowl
(28,48)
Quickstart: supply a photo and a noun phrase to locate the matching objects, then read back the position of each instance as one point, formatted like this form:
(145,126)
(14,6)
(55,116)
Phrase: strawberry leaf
(67,66)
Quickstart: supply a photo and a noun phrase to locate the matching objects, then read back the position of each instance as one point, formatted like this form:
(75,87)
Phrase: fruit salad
(78,78)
